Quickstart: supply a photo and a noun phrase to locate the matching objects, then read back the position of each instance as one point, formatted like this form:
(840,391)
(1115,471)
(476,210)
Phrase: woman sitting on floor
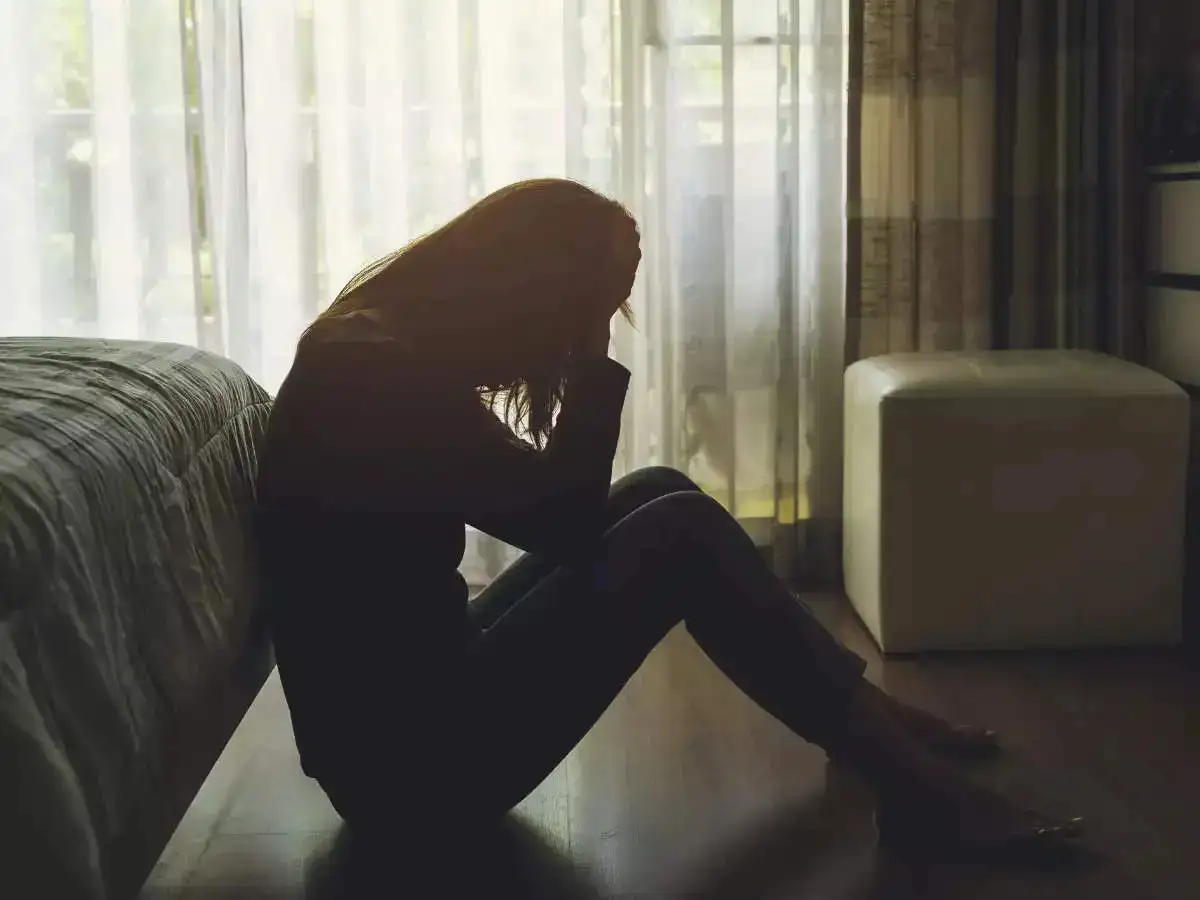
(383,447)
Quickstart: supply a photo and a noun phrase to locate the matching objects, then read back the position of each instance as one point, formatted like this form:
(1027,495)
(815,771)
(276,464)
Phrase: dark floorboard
(686,790)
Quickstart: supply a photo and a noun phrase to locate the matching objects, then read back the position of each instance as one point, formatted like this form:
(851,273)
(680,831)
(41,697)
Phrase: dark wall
(1171,28)
(1169,31)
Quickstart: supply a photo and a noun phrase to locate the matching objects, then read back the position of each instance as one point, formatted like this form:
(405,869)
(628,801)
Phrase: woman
(406,699)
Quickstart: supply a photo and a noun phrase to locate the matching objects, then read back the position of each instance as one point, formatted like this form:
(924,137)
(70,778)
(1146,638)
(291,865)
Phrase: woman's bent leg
(633,492)
(539,678)
(542,674)
(626,495)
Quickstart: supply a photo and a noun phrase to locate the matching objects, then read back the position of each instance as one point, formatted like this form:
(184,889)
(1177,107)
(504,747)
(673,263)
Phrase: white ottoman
(1014,499)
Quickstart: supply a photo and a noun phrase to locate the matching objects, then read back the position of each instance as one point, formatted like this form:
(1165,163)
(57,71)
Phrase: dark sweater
(370,472)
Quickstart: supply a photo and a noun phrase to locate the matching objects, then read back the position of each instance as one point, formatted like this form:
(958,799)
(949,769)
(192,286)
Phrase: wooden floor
(685,789)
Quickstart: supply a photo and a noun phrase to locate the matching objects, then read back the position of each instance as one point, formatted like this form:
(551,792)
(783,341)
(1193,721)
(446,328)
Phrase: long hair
(507,261)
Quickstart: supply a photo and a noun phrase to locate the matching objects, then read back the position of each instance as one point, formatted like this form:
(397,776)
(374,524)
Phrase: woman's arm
(554,500)
(381,438)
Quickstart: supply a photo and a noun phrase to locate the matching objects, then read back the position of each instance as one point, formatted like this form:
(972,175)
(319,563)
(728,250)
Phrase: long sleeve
(383,438)
(554,501)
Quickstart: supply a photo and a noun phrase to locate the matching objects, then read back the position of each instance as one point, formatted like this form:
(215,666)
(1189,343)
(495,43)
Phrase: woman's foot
(968,742)
(962,820)
(927,806)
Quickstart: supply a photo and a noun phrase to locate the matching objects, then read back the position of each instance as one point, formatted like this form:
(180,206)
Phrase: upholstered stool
(1014,499)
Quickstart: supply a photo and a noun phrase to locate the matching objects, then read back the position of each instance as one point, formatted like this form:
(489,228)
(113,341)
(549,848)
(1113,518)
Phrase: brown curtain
(921,184)
(994,180)
(1069,260)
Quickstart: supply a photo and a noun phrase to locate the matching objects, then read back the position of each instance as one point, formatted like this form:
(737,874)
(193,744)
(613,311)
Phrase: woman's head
(546,254)
(510,288)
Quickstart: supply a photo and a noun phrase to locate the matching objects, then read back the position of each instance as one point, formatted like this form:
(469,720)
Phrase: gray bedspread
(126,580)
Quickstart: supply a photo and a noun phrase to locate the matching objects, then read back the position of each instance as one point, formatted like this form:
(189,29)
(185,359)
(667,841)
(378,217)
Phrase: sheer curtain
(212,171)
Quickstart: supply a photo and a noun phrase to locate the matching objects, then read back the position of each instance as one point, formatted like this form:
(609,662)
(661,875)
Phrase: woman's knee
(686,516)
(661,557)
(644,485)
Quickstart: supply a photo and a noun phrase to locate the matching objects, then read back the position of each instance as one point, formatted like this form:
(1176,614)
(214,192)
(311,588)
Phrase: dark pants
(550,648)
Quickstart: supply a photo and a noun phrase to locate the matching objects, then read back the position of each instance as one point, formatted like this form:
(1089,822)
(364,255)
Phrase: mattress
(127,580)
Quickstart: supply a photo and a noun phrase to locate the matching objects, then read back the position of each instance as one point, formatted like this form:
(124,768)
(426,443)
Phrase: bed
(130,639)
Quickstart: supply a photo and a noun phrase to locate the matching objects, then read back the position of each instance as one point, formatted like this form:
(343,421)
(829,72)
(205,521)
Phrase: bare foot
(945,738)
(923,803)
(962,819)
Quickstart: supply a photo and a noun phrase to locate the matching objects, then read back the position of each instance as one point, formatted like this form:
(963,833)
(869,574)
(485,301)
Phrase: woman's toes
(972,822)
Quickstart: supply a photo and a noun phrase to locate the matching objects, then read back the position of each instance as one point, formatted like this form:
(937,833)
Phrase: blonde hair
(511,247)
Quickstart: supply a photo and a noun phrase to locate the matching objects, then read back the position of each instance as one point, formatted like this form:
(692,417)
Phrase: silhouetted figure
(411,704)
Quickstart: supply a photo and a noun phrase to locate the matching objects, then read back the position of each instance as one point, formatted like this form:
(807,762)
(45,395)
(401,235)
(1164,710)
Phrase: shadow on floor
(513,861)
(826,846)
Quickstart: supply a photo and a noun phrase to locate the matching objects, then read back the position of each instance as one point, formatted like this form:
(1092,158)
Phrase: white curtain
(212,171)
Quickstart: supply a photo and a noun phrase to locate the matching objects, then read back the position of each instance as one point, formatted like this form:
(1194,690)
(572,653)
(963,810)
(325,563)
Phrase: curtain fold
(1075,223)
(922,220)
(997,176)
(212,172)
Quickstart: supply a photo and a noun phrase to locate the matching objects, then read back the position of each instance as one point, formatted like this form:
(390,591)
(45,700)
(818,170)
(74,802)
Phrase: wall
(1168,31)
(1169,28)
